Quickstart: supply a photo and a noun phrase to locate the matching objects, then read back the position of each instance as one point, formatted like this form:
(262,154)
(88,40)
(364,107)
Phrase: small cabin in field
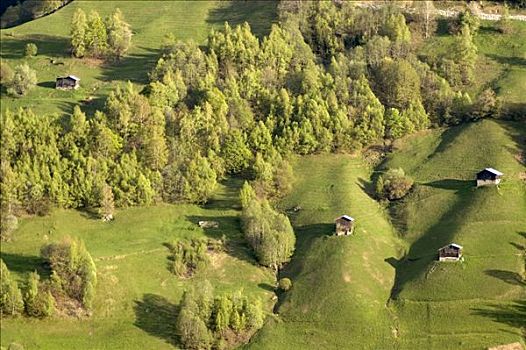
(451,252)
(70,82)
(344,225)
(488,176)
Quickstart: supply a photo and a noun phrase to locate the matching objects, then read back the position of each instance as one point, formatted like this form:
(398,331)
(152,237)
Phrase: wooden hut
(451,252)
(344,225)
(488,176)
(70,82)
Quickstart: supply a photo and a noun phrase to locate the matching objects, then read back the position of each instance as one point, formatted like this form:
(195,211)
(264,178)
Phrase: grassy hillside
(137,297)
(150,21)
(341,284)
(501,64)
(463,305)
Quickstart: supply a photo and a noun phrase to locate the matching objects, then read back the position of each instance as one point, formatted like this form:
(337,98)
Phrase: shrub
(285,284)
(8,224)
(6,73)
(24,79)
(31,50)
(188,256)
(11,302)
(394,184)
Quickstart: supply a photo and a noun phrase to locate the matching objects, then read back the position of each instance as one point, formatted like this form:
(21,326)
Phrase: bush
(31,50)
(8,224)
(11,302)
(188,256)
(285,284)
(23,80)
(6,73)
(394,184)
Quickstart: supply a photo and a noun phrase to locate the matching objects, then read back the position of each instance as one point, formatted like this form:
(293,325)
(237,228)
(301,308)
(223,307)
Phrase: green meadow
(383,288)
(137,296)
(150,21)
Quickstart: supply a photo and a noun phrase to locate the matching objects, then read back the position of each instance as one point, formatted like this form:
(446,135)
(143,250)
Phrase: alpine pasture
(379,288)
(150,21)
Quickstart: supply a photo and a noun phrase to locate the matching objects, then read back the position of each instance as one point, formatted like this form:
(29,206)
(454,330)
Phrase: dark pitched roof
(452,245)
(345,217)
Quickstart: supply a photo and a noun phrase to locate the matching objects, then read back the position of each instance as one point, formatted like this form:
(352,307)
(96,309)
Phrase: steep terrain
(374,290)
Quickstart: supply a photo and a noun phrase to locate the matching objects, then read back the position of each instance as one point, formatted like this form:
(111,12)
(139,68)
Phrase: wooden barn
(344,225)
(451,252)
(488,176)
(70,82)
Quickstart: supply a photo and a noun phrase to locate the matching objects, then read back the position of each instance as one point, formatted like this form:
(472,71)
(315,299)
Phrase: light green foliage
(398,84)
(31,50)
(38,301)
(74,269)
(11,302)
(246,194)
(119,34)
(79,29)
(6,73)
(504,24)
(285,284)
(206,320)
(269,233)
(396,29)
(394,184)
(107,205)
(24,79)
(188,257)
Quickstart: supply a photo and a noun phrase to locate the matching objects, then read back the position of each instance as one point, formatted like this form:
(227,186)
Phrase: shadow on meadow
(157,316)
(13,47)
(256,13)
(451,184)
(513,314)
(23,264)
(132,67)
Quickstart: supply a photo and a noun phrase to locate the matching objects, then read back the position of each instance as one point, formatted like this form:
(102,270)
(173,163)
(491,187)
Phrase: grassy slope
(150,21)
(135,305)
(341,284)
(502,60)
(462,305)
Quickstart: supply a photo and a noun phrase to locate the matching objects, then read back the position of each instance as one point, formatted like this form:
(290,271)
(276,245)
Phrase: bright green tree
(79,30)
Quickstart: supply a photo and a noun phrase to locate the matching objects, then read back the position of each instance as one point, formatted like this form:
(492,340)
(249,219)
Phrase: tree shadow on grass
(47,84)
(133,67)
(48,45)
(258,14)
(157,316)
(24,263)
(510,277)
(513,314)
(451,184)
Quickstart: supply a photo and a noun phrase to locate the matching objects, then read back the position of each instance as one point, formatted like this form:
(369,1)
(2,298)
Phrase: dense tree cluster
(208,321)
(189,256)
(269,233)
(36,301)
(73,272)
(94,37)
